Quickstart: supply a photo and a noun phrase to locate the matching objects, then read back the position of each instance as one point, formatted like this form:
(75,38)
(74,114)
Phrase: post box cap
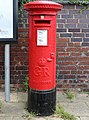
(42,4)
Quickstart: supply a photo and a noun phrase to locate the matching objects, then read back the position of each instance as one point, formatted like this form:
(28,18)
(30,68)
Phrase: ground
(16,108)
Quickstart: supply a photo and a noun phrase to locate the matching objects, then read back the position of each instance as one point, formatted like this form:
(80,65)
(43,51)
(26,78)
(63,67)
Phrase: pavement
(16,108)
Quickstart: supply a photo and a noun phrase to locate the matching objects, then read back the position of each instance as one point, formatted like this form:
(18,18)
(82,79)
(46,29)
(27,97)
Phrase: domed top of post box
(42,6)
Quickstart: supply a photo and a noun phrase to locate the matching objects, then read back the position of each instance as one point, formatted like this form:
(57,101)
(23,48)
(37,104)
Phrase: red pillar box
(42,56)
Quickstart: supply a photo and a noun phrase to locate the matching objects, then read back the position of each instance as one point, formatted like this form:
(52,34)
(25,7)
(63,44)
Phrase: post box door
(42,59)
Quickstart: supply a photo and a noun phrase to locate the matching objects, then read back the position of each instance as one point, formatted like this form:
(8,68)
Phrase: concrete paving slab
(18,118)
(2,96)
(13,97)
(61,97)
(39,118)
(3,118)
(12,118)
(54,119)
(78,109)
(81,97)
(22,96)
(84,118)
(87,103)
(46,118)
(8,118)
(13,109)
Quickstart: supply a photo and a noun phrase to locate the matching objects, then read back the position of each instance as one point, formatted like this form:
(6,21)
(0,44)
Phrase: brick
(69,6)
(82,25)
(63,54)
(70,25)
(80,16)
(84,20)
(1,71)
(74,30)
(61,30)
(26,63)
(2,63)
(72,21)
(61,20)
(84,49)
(84,63)
(60,76)
(63,39)
(71,49)
(69,76)
(76,72)
(65,34)
(63,12)
(2,81)
(22,30)
(79,7)
(25,72)
(71,67)
(64,72)
(78,34)
(85,44)
(78,49)
(76,39)
(83,58)
(67,16)
(71,58)
(21,68)
(62,45)
(60,49)
(75,54)
(67,63)
(23,35)
(59,86)
(78,44)
(82,76)
(61,58)
(1,68)
(62,67)
(70,44)
(74,12)
(26,25)
(85,72)
(85,39)
(85,11)
(87,35)
(85,30)
(60,25)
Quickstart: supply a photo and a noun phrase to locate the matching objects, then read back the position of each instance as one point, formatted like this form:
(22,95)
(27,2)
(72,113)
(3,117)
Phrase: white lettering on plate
(42,37)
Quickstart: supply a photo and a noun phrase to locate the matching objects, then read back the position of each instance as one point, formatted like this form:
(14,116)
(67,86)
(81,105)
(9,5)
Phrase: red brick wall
(72,50)
(18,57)
(73,47)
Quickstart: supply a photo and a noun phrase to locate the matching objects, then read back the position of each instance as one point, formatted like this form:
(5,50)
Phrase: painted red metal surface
(42,44)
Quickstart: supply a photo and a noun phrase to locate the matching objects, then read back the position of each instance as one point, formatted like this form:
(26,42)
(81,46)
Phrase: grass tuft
(70,95)
(60,112)
(0,105)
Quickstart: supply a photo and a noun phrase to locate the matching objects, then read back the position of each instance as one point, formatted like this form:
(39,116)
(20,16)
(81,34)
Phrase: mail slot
(42,21)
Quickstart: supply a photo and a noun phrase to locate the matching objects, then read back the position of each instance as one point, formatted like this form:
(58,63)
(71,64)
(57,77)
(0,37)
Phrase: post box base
(42,103)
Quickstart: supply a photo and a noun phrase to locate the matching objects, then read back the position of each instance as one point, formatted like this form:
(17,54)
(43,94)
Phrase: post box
(42,56)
